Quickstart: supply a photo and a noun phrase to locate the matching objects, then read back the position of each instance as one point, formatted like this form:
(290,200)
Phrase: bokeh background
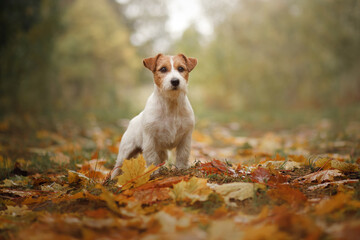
(265,61)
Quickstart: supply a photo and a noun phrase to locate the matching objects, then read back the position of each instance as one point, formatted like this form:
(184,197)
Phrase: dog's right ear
(150,63)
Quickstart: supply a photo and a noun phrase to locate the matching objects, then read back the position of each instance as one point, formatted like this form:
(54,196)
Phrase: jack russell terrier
(168,119)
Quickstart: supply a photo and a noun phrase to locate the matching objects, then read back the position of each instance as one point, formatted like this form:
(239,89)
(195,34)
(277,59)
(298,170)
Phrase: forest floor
(299,183)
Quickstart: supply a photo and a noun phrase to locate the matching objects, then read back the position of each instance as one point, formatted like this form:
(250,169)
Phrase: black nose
(175,82)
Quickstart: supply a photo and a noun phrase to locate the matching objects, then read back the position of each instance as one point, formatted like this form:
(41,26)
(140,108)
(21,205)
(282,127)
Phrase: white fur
(166,122)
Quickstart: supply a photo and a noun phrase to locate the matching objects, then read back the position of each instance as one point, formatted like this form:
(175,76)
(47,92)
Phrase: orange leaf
(150,196)
(288,194)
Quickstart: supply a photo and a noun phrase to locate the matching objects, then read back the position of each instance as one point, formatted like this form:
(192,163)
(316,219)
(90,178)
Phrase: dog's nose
(175,82)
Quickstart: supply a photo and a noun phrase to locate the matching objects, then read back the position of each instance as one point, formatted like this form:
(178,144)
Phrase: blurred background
(258,60)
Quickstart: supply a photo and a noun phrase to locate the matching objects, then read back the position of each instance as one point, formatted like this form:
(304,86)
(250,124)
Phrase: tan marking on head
(188,64)
(163,67)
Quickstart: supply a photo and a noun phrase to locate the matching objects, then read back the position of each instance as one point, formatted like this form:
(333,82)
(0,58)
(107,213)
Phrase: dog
(167,120)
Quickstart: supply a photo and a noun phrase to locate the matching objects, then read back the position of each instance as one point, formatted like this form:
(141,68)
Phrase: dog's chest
(171,130)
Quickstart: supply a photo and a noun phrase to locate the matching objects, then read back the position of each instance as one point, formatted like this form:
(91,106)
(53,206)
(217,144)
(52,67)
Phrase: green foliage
(282,54)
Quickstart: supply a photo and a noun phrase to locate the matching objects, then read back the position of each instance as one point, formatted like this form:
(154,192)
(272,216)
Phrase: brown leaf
(319,177)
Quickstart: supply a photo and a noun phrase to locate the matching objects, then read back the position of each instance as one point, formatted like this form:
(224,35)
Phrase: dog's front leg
(183,152)
(150,152)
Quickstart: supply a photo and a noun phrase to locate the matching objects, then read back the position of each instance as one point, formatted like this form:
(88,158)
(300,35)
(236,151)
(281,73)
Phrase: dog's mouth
(174,88)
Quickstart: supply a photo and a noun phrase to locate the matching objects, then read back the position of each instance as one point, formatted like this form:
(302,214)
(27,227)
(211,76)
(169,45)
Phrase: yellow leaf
(75,177)
(135,173)
(194,190)
(323,163)
(343,166)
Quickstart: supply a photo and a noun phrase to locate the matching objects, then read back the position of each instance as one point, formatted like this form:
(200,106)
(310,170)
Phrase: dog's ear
(190,62)
(150,63)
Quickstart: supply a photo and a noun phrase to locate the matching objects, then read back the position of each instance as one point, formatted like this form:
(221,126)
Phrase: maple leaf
(322,176)
(194,190)
(135,173)
(236,191)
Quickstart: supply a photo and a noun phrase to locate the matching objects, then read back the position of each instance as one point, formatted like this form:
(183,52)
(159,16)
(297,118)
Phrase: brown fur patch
(162,61)
(180,61)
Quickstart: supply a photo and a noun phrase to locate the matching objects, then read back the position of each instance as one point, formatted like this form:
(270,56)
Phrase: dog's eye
(163,69)
(181,69)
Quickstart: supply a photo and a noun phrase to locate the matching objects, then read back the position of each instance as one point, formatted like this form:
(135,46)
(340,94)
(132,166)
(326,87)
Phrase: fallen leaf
(320,177)
(15,211)
(339,201)
(269,176)
(298,158)
(341,182)
(75,177)
(193,190)
(236,191)
(285,165)
(344,166)
(161,183)
(216,167)
(328,163)
(150,196)
(288,194)
(135,173)
(268,231)
(94,169)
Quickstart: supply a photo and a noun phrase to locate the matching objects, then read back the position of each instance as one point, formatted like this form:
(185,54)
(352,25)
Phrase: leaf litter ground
(299,184)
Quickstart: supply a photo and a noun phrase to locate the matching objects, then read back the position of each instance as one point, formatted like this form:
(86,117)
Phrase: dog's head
(171,73)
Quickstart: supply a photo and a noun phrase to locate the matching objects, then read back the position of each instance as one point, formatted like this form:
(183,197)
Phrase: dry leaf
(329,205)
(341,182)
(320,177)
(135,173)
(286,165)
(344,166)
(194,190)
(15,211)
(236,191)
(75,177)
(150,196)
(94,169)
(288,194)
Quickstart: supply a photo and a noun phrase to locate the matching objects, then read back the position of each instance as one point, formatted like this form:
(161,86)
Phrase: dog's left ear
(150,63)
(190,62)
